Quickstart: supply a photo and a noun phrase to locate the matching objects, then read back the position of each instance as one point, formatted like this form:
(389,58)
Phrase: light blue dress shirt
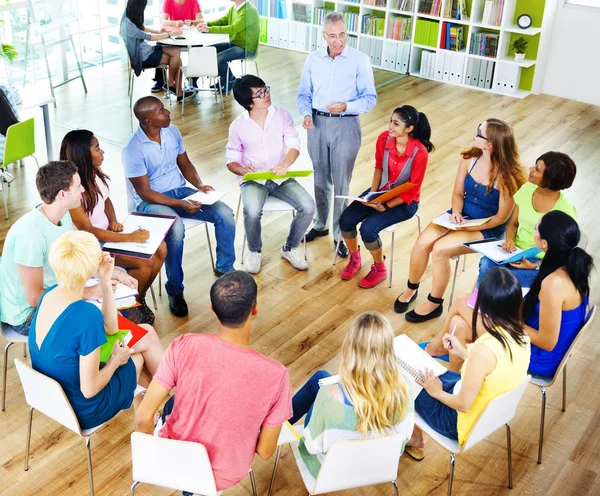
(347,78)
(141,157)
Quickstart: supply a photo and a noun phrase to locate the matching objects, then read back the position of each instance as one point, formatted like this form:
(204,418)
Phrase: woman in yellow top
(494,364)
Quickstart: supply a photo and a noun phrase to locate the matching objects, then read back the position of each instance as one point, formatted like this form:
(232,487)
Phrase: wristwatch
(537,265)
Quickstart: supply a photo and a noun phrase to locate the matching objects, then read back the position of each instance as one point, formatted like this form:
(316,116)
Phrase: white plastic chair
(391,229)
(457,259)
(351,464)
(271,204)
(500,411)
(287,435)
(244,67)
(545,382)
(13,337)
(47,396)
(202,62)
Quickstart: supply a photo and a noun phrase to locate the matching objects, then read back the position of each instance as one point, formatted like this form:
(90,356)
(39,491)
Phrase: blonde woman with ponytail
(370,398)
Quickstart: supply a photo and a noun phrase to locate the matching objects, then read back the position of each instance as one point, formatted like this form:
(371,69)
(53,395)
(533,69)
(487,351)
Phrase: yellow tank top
(506,376)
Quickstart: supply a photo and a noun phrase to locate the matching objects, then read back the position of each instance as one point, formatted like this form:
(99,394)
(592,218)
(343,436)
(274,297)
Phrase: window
(583,3)
(114,39)
(112,20)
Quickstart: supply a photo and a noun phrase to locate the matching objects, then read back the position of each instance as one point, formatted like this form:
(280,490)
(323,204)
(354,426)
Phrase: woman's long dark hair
(76,148)
(412,117)
(7,115)
(135,12)
(499,302)
(562,234)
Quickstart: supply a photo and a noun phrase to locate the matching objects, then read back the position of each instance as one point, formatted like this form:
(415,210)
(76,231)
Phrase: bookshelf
(459,42)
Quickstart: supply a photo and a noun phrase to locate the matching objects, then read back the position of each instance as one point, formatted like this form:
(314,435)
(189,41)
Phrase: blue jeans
(524,276)
(440,417)
(218,214)
(304,399)
(226,52)
(254,196)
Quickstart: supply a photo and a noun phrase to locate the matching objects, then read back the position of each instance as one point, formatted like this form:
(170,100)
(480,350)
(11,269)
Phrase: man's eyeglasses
(260,94)
(333,37)
(479,135)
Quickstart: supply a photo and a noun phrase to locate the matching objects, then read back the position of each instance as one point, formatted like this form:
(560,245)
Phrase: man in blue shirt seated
(158,166)
(336,86)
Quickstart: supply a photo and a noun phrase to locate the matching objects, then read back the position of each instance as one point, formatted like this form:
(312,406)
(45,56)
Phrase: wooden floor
(303,316)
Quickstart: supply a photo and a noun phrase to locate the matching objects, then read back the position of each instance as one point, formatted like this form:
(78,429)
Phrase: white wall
(573,63)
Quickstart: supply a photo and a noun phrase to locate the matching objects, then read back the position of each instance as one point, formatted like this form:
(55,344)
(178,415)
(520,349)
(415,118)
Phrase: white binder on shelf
(372,50)
(447,66)
(365,45)
(468,71)
(482,72)
(399,56)
(405,57)
(514,76)
(292,30)
(306,37)
(378,52)
(313,39)
(439,64)
(273,33)
(499,76)
(489,74)
(283,33)
(457,64)
(388,61)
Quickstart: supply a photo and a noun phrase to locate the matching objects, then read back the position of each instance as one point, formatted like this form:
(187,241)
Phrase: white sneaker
(295,258)
(7,176)
(253,262)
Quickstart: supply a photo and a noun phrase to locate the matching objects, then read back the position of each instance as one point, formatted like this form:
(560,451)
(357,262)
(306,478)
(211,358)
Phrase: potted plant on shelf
(7,52)
(519,46)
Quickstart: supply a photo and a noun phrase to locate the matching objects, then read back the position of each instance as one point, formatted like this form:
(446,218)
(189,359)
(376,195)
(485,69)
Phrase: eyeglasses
(333,37)
(260,94)
(479,135)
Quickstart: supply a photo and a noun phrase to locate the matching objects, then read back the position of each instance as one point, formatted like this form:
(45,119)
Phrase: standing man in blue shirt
(336,86)
(158,166)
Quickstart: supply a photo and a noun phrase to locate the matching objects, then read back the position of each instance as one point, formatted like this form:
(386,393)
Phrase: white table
(193,37)
(31,98)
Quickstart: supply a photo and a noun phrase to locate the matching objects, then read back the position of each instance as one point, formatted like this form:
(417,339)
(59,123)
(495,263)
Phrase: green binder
(263,176)
(106,348)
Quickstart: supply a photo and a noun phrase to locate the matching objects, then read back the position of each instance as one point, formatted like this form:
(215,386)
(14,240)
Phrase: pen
(188,201)
(140,228)
(449,343)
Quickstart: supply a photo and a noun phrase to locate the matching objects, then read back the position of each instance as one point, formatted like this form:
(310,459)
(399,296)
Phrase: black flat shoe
(314,234)
(402,306)
(415,318)
(342,249)
(178,305)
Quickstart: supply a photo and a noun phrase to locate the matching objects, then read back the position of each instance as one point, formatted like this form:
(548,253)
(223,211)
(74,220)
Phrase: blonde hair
(370,375)
(74,258)
(505,165)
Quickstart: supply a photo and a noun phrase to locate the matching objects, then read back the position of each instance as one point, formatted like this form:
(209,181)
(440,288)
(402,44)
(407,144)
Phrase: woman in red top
(401,156)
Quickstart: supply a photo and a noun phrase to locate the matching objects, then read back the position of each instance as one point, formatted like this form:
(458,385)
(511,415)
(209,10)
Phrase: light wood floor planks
(303,316)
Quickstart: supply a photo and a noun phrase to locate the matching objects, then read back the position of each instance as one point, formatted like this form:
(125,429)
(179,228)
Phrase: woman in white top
(96,214)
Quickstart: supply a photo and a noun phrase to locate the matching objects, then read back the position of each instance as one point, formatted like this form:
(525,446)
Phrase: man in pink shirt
(230,398)
(264,139)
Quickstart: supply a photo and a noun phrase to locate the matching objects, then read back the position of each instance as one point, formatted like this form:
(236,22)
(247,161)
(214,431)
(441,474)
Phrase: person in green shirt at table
(242,24)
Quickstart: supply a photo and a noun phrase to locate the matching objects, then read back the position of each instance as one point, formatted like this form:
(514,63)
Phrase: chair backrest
(131,206)
(20,141)
(498,412)
(47,396)
(583,240)
(350,464)
(179,465)
(202,62)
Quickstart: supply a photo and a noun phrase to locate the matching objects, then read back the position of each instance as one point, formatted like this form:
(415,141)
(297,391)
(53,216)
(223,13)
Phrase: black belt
(329,114)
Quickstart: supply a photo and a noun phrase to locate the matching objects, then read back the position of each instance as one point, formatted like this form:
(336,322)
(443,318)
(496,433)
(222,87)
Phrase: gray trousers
(333,145)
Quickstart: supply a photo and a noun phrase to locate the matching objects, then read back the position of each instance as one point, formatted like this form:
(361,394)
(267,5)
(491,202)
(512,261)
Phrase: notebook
(473,298)
(444,221)
(492,249)
(380,196)
(124,295)
(106,348)
(208,198)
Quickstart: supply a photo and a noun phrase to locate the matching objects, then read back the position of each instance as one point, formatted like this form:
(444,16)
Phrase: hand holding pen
(139,236)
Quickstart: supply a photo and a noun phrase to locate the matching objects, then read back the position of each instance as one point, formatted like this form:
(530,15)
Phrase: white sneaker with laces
(7,176)
(253,262)
(295,258)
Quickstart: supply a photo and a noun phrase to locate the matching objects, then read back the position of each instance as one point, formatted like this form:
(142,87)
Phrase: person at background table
(370,399)
(9,99)
(335,87)
(230,398)
(144,56)
(157,165)
(555,307)
(96,214)
(25,271)
(488,176)
(176,13)
(264,139)
(401,155)
(242,24)
(494,364)
(552,173)
(67,332)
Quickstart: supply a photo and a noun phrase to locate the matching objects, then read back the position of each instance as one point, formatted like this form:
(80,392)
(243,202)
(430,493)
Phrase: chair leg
(221,94)
(509,453)
(418,222)
(227,82)
(153,298)
(133,486)
(564,405)
(454,282)
(451,478)
(237,210)
(89,459)
(541,441)
(336,249)
(464,262)
(4,374)
(24,350)
(160,283)
(28,440)
(243,247)
(182,89)
(277,455)
(253,482)
(305,250)
(4,199)
(395,488)
(392,260)
(132,81)
(212,260)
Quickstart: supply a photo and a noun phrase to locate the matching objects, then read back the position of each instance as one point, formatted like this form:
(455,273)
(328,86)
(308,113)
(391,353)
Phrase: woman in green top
(552,172)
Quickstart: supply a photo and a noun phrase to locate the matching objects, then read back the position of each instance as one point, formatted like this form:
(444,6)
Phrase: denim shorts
(154,58)
(440,417)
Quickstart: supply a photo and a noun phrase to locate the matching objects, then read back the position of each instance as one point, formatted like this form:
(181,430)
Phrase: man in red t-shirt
(230,398)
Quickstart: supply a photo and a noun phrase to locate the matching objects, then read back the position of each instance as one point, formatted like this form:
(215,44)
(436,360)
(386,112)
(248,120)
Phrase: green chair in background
(20,143)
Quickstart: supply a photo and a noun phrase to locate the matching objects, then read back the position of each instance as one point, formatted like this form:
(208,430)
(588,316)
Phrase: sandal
(416,318)
(416,454)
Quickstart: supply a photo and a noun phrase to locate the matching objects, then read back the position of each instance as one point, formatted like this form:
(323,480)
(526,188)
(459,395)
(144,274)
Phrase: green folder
(263,176)
(106,348)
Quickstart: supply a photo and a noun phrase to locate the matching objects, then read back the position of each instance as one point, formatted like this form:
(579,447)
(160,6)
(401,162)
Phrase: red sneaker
(377,274)
(353,266)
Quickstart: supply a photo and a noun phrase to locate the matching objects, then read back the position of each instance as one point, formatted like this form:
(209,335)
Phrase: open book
(124,295)
(444,221)
(492,249)
(380,196)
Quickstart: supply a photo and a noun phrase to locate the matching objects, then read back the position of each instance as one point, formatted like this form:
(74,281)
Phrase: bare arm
(376,180)
(189,171)
(142,187)
(109,210)
(82,222)
(511,230)
(144,415)
(267,442)
(458,193)
(552,298)
(93,379)
(33,283)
